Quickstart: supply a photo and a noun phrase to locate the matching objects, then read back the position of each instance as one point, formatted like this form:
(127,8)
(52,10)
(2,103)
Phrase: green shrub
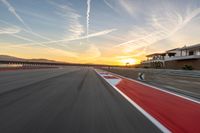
(188,67)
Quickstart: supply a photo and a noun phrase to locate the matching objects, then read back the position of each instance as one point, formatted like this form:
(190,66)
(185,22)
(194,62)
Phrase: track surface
(70,100)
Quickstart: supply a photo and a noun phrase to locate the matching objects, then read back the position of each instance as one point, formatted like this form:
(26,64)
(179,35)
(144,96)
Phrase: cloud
(73,28)
(13,11)
(138,39)
(119,5)
(10,30)
(38,52)
(91,53)
(88,15)
(16,35)
(13,30)
(21,37)
(101,33)
(109,5)
(161,26)
(37,35)
(127,5)
(183,22)
(104,32)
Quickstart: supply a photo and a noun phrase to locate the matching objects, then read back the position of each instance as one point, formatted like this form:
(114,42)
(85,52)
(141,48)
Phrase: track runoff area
(170,112)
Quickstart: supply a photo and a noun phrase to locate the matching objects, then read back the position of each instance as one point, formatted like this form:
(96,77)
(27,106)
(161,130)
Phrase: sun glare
(129,61)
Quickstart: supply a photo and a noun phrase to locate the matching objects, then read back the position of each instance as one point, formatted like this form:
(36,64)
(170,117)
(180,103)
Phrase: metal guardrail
(50,63)
(184,73)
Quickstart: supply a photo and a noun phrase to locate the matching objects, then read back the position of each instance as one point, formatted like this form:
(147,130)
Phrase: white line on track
(151,118)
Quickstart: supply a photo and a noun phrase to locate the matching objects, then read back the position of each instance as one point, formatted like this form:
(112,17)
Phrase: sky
(97,31)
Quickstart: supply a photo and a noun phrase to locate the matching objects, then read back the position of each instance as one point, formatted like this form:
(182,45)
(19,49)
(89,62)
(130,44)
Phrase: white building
(175,58)
(184,53)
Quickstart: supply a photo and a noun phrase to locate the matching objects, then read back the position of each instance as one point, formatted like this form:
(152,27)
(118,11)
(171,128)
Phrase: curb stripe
(146,114)
(154,87)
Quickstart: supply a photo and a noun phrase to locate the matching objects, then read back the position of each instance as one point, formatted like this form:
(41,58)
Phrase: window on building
(171,54)
(191,52)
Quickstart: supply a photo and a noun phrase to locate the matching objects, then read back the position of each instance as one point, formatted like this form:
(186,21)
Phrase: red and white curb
(170,112)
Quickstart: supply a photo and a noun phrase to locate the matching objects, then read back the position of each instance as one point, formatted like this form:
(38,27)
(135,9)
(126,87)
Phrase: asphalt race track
(68,100)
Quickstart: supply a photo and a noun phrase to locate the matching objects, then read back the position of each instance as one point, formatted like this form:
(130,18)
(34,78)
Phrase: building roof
(171,50)
(185,47)
(154,54)
(191,47)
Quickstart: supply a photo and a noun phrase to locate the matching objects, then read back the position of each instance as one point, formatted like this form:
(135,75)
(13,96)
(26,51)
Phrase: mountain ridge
(13,58)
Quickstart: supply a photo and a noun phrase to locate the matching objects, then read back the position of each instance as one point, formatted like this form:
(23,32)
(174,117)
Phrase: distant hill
(12,58)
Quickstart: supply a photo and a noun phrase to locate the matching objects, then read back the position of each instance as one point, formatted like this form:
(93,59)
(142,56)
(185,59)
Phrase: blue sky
(96,31)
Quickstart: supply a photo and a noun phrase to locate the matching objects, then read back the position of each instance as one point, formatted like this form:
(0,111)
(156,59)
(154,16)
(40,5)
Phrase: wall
(181,63)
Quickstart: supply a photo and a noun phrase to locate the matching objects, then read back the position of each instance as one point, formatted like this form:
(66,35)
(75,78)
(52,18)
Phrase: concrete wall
(181,63)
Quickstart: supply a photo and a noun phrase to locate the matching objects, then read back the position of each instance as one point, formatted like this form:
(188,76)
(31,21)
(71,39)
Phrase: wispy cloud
(13,30)
(23,38)
(90,54)
(18,30)
(138,39)
(109,5)
(121,5)
(101,33)
(184,21)
(10,30)
(162,21)
(13,11)
(28,29)
(88,15)
(70,16)
(104,32)
(160,27)
(127,5)
(37,35)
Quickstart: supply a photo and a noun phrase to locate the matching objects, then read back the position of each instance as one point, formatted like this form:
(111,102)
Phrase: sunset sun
(129,61)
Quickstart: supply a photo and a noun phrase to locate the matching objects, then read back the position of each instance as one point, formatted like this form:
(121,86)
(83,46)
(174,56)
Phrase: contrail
(36,34)
(100,33)
(138,39)
(104,32)
(13,11)
(88,15)
(181,24)
(9,30)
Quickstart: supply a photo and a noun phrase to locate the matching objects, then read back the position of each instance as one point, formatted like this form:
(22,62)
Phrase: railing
(173,58)
(153,60)
(182,57)
(10,65)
